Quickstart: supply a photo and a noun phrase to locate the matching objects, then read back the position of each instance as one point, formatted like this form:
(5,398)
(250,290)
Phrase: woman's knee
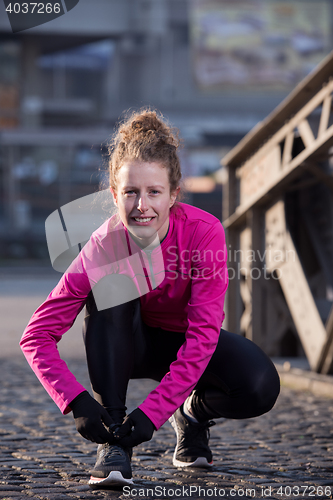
(265,390)
(251,396)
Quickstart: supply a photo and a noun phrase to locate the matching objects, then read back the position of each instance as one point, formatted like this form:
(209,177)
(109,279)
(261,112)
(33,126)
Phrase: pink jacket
(181,284)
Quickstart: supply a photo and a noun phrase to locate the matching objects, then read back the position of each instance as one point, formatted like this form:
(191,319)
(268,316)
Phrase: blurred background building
(215,68)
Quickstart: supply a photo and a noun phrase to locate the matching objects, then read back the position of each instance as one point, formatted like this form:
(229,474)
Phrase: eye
(154,191)
(129,192)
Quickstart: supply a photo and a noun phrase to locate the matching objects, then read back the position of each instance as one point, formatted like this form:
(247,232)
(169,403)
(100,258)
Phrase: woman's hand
(136,429)
(91,419)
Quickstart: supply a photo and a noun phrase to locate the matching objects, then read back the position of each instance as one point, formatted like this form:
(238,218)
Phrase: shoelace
(117,451)
(113,429)
(196,429)
(113,450)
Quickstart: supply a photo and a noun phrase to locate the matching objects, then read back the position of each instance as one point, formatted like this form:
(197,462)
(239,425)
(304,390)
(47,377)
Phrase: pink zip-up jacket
(181,284)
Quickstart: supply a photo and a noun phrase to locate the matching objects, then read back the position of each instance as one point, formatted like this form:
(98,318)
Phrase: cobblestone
(287,453)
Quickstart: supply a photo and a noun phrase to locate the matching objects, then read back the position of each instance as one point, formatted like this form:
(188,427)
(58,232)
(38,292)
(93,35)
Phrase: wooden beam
(233,299)
(325,114)
(255,175)
(257,279)
(288,147)
(306,133)
(324,141)
(289,126)
(282,256)
(256,166)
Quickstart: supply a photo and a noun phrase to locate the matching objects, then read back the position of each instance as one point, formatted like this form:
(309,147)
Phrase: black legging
(240,381)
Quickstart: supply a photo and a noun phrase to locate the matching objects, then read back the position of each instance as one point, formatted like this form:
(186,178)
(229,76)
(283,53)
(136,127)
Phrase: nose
(143,203)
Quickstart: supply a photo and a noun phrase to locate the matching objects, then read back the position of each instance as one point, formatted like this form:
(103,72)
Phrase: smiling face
(144,200)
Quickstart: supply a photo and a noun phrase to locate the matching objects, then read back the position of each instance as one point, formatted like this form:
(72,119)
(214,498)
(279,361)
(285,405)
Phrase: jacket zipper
(151,285)
(152,277)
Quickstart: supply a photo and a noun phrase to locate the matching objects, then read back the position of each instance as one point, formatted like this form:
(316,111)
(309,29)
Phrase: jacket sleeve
(209,283)
(46,327)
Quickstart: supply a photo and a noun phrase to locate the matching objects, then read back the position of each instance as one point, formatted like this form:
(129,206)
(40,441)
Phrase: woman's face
(144,200)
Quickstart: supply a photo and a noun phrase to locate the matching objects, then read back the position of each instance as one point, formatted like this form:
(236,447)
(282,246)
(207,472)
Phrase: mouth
(143,220)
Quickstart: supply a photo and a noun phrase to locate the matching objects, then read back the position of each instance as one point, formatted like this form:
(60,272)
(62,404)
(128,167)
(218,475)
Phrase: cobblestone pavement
(286,453)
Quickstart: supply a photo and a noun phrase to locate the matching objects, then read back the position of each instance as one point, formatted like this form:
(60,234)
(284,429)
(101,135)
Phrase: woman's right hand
(91,419)
(136,429)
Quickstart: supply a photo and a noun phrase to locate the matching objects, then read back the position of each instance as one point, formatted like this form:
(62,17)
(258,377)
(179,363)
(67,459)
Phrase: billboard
(270,44)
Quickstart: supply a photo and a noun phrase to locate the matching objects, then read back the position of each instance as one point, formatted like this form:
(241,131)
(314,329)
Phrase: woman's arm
(46,327)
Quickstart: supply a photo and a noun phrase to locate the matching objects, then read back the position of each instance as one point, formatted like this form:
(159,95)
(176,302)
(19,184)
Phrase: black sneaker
(192,448)
(112,468)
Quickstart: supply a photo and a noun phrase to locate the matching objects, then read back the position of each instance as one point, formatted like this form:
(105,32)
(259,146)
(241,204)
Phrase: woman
(153,280)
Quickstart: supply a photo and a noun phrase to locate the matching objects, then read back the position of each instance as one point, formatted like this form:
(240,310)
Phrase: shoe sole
(199,462)
(114,479)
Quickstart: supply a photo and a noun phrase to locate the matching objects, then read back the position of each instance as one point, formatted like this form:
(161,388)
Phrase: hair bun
(147,122)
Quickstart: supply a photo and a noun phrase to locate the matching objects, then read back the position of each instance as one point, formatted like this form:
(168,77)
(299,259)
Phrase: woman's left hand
(136,429)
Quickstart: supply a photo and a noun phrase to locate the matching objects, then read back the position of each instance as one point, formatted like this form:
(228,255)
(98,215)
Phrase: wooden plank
(303,308)
(290,126)
(253,169)
(246,318)
(282,256)
(233,191)
(257,333)
(288,147)
(324,141)
(275,236)
(316,147)
(233,306)
(245,239)
(325,114)
(226,192)
(306,133)
(256,175)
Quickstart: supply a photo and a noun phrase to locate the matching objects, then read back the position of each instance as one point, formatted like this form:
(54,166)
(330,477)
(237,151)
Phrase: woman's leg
(240,381)
(120,346)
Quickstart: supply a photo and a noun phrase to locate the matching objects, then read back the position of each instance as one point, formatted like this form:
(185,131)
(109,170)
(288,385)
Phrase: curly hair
(145,136)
